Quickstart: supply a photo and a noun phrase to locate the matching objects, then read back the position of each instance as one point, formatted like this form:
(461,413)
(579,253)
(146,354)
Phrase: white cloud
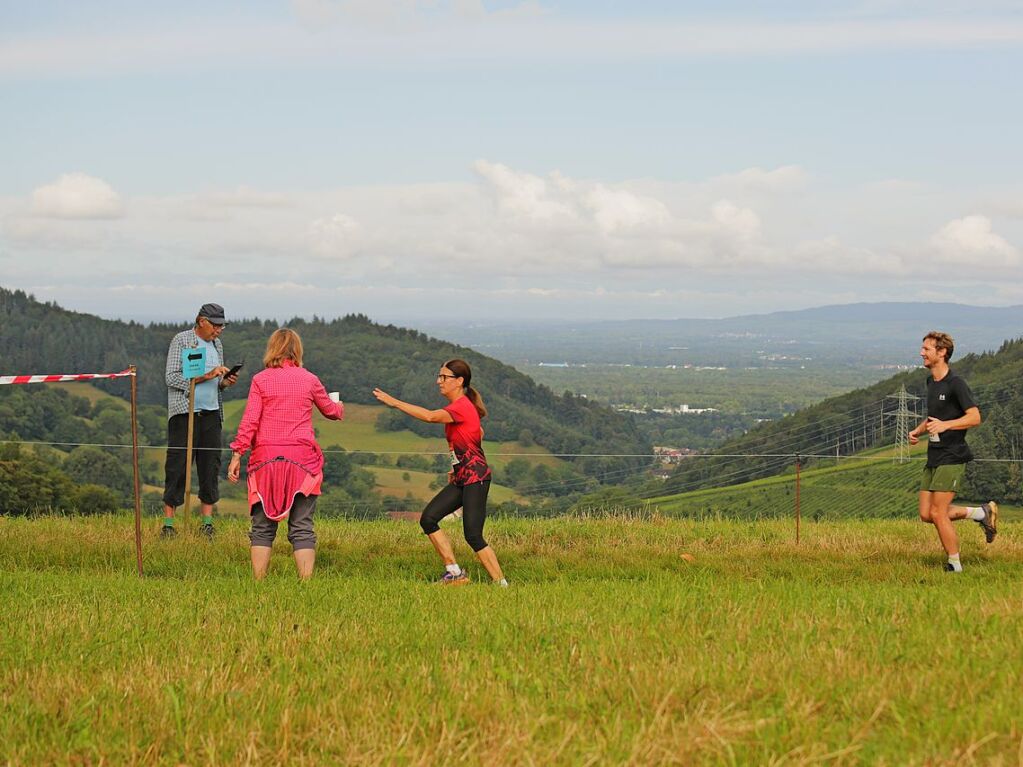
(970,241)
(524,196)
(245,197)
(742,224)
(830,254)
(334,237)
(786,178)
(219,204)
(77,196)
(618,210)
(29,232)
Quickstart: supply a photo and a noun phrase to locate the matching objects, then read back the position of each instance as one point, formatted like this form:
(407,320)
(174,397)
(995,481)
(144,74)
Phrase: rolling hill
(351,354)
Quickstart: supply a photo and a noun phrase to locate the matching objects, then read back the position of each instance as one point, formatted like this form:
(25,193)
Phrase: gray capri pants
(300,524)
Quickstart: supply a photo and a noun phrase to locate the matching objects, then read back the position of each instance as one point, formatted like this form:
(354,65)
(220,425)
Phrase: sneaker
(503,583)
(168,532)
(949,568)
(208,531)
(990,521)
(454,580)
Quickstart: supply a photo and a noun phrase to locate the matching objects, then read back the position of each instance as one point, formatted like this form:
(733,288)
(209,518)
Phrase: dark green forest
(351,354)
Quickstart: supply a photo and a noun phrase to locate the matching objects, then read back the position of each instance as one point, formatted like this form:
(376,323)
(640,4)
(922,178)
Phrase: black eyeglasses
(442,376)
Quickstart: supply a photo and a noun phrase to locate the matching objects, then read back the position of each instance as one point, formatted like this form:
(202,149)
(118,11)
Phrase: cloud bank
(512,240)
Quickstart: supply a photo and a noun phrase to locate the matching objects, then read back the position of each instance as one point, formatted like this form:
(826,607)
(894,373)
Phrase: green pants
(943,479)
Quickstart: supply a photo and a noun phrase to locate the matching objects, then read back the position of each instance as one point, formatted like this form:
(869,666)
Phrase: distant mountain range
(860,334)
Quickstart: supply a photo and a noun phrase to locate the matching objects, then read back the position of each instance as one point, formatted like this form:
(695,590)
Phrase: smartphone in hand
(234,370)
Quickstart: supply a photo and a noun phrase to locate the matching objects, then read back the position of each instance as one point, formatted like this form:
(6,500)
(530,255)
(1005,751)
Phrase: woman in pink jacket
(285,470)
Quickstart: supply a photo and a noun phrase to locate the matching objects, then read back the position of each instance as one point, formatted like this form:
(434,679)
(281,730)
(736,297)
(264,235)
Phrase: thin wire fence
(848,468)
(846,487)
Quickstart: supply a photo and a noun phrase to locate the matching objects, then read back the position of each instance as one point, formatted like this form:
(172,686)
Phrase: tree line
(351,354)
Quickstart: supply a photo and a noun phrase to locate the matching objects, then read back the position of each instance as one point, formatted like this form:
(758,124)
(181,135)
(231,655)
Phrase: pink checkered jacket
(278,427)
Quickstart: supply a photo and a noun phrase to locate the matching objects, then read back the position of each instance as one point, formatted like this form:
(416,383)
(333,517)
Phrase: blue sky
(542,159)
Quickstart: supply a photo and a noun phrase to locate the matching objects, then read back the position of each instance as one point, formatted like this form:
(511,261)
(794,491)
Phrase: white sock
(453,569)
(953,559)
(976,513)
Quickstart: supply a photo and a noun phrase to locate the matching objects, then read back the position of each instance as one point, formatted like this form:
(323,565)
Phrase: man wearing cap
(209,417)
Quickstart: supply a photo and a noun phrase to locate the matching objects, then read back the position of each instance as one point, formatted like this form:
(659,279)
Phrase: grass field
(610,647)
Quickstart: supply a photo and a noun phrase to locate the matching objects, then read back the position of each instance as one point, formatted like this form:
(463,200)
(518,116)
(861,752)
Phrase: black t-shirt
(947,400)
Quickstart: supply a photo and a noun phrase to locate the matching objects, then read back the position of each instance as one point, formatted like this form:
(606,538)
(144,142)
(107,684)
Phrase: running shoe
(950,569)
(208,531)
(168,532)
(454,580)
(503,583)
(990,521)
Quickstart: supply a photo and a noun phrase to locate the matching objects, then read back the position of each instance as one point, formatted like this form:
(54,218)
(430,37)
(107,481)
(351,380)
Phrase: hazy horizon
(412,321)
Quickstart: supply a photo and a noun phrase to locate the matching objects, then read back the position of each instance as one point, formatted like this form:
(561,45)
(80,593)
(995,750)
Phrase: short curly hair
(942,341)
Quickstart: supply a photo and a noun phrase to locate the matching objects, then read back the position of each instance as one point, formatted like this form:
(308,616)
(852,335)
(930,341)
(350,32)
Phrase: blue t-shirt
(206,393)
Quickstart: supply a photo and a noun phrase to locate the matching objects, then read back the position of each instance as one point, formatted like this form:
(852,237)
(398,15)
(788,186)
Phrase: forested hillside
(352,355)
(865,418)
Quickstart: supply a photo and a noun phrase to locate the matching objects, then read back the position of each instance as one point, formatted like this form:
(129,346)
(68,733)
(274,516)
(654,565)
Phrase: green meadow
(622,640)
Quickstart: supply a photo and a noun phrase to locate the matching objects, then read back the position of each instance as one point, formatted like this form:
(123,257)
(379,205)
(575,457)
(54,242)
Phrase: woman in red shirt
(285,470)
(469,478)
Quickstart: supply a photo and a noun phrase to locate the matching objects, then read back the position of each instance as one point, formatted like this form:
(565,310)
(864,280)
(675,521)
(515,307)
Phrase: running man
(951,410)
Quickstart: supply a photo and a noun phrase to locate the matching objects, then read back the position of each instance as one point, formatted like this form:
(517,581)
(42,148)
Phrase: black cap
(214,313)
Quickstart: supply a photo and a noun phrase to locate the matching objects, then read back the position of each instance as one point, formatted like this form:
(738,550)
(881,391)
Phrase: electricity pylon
(902,415)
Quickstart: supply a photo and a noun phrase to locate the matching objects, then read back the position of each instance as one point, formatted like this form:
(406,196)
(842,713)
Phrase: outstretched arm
(430,416)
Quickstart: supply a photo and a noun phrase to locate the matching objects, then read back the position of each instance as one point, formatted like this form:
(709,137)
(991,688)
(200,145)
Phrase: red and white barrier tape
(62,378)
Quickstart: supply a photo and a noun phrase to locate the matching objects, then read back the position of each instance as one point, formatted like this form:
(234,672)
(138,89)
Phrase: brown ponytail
(461,369)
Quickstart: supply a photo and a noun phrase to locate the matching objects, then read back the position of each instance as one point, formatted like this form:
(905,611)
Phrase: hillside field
(870,484)
(610,647)
(356,433)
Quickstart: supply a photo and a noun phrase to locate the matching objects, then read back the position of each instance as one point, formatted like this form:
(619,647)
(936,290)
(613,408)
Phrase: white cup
(335,396)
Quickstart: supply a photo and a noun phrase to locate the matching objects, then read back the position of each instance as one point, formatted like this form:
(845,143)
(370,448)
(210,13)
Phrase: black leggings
(472,499)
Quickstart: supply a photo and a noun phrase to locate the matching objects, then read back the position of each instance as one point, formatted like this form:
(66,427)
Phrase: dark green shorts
(943,479)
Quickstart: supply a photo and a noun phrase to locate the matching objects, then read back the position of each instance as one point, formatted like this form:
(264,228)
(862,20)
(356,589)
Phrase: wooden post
(798,462)
(188,455)
(135,468)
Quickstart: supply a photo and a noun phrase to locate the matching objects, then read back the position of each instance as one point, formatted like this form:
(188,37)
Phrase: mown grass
(609,648)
